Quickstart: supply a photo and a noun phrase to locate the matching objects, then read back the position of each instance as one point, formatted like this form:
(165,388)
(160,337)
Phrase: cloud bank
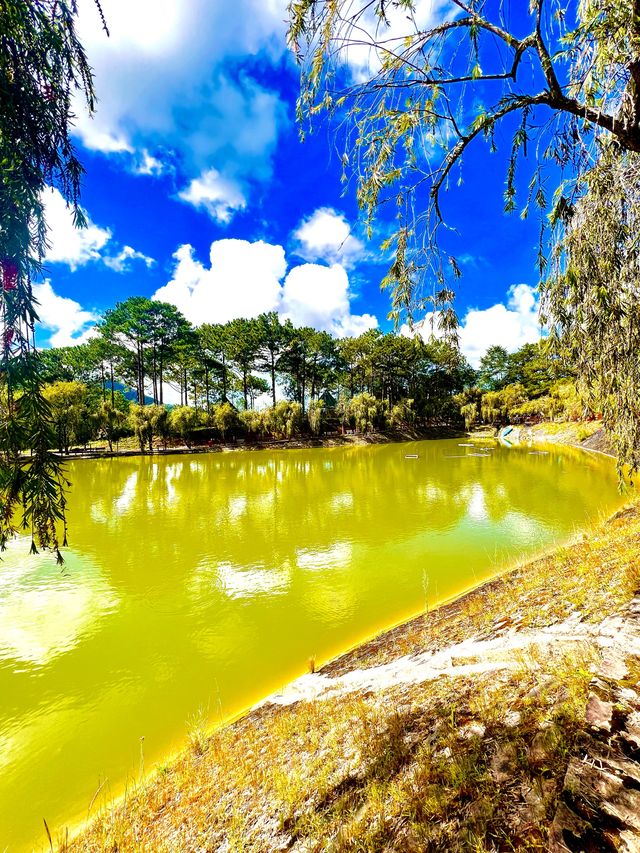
(64,319)
(245,279)
(78,246)
(508,325)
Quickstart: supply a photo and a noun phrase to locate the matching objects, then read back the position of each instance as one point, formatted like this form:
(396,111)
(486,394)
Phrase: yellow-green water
(198,584)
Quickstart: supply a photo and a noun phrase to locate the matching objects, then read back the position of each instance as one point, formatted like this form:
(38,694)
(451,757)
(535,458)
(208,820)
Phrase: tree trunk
(154,375)
(273,379)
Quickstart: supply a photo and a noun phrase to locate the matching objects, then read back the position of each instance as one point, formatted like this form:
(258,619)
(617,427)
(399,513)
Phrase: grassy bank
(470,757)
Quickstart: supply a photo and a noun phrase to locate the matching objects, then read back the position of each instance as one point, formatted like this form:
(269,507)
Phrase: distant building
(328,399)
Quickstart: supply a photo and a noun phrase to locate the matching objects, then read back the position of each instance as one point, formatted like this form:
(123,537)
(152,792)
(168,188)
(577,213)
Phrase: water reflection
(45,612)
(208,581)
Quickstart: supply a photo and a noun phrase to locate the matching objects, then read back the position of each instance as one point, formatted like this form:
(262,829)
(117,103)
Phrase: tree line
(532,384)
(115,384)
(220,371)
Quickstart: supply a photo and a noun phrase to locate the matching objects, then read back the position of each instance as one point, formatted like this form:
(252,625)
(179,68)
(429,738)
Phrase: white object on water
(411,456)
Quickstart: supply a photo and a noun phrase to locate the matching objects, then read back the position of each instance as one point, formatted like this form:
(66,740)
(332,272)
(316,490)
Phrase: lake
(195,585)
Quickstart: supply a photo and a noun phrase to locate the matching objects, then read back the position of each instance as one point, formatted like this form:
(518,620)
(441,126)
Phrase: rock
(629,842)
(603,791)
(543,746)
(599,713)
(536,807)
(613,667)
(472,730)
(503,763)
(567,828)
(631,732)
(512,719)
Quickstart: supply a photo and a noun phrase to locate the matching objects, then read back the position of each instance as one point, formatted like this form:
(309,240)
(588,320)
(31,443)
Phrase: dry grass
(465,765)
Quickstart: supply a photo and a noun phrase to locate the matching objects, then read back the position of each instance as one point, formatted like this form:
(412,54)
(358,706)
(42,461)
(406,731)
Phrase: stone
(503,762)
(602,791)
(543,746)
(629,842)
(472,730)
(512,719)
(567,827)
(631,732)
(613,667)
(599,713)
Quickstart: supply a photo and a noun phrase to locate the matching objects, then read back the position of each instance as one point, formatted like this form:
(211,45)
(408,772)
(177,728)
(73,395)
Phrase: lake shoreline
(483,613)
(351,439)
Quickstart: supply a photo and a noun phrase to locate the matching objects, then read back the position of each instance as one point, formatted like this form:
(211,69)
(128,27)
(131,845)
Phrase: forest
(264,378)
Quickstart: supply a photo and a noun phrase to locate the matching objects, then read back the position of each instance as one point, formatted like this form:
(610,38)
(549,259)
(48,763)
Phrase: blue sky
(200,192)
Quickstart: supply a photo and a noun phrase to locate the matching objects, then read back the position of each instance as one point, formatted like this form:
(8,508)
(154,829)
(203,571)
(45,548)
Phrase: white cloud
(363,57)
(318,296)
(78,246)
(509,326)
(219,196)
(126,256)
(165,77)
(68,244)
(243,280)
(147,164)
(326,235)
(65,319)
(246,279)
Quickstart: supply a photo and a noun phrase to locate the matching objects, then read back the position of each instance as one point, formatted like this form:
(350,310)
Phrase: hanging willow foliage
(42,68)
(414,85)
(591,298)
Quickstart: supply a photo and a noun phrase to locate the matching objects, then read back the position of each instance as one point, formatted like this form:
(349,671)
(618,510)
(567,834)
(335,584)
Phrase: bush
(470,414)
(365,411)
(284,419)
(225,418)
(141,423)
(252,421)
(567,403)
(112,421)
(543,407)
(69,413)
(315,416)
(182,421)
(401,414)
(497,407)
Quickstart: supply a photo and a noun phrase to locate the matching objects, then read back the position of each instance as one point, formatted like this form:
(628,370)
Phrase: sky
(199,192)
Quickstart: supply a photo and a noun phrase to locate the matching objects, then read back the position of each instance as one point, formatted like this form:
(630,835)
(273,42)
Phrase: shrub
(182,421)
(365,410)
(315,416)
(401,414)
(470,414)
(252,421)
(284,419)
(225,418)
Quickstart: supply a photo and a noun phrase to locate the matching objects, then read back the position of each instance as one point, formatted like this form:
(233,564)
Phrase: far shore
(348,439)
(556,433)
